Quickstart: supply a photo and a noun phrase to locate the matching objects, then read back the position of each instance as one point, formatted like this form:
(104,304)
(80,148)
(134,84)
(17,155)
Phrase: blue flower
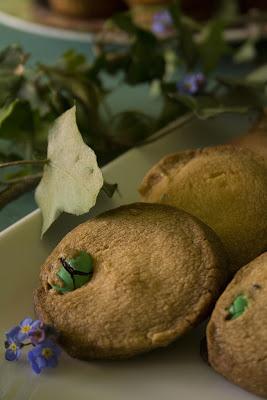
(162,22)
(25,328)
(13,349)
(13,334)
(37,333)
(12,344)
(191,84)
(45,355)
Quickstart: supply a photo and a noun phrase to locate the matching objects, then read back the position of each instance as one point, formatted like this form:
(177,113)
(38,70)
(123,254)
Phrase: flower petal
(11,355)
(26,321)
(12,333)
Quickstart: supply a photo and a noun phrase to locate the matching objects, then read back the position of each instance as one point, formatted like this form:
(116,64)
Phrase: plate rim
(41,30)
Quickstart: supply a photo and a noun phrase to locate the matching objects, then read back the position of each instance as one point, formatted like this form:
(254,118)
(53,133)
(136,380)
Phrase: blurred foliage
(32,97)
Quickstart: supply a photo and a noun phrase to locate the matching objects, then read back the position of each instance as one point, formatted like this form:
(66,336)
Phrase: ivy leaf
(6,111)
(188,47)
(16,121)
(72,179)
(258,75)
(130,127)
(12,57)
(228,10)
(144,60)
(124,22)
(246,52)
(12,60)
(213,46)
(73,61)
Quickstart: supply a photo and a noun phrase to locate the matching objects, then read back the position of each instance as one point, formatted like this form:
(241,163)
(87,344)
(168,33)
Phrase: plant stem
(21,179)
(12,192)
(178,123)
(23,162)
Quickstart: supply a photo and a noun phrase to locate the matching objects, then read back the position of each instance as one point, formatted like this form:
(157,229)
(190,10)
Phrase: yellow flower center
(13,347)
(26,329)
(47,353)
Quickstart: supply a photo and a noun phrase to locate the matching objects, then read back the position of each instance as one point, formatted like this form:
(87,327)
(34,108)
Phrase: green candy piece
(238,307)
(82,263)
(66,278)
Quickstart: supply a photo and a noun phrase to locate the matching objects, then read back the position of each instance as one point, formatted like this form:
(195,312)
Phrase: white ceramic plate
(177,372)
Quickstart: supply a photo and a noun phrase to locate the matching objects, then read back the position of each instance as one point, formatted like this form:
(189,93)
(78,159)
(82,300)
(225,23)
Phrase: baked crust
(238,348)
(157,273)
(225,187)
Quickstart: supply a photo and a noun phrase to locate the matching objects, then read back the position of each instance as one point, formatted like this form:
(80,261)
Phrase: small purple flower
(191,84)
(45,355)
(25,327)
(37,333)
(162,22)
(13,333)
(13,349)
(12,344)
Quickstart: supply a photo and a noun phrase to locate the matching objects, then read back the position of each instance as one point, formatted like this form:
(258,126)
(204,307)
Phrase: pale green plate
(177,372)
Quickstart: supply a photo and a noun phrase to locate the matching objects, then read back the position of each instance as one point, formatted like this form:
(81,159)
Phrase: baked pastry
(256,138)
(236,333)
(157,273)
(225,187)
(86,8)
(132,3)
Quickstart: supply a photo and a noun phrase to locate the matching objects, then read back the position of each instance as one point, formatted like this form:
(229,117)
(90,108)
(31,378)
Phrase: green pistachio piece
(75,272)
(238,307)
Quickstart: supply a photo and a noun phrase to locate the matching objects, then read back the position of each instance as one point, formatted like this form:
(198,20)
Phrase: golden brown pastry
(223,186)
(86,8)
(237,331)
(157,273)
(256,138)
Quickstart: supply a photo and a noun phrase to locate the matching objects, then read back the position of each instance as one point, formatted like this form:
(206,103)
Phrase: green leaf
(6,111)
(72,180)
(246,52)
(243,92)
(130,127)
(213,46)
(124,22)
(187,46)
(12,60)
(17,128)
(144,59)
(16,121)
(258,75)
(73,61)
(12,57)
(228,10)
(187,100)
(238,307)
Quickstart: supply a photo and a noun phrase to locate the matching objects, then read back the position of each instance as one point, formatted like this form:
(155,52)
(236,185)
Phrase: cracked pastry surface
(157,273)
(237,347)
(223,186)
